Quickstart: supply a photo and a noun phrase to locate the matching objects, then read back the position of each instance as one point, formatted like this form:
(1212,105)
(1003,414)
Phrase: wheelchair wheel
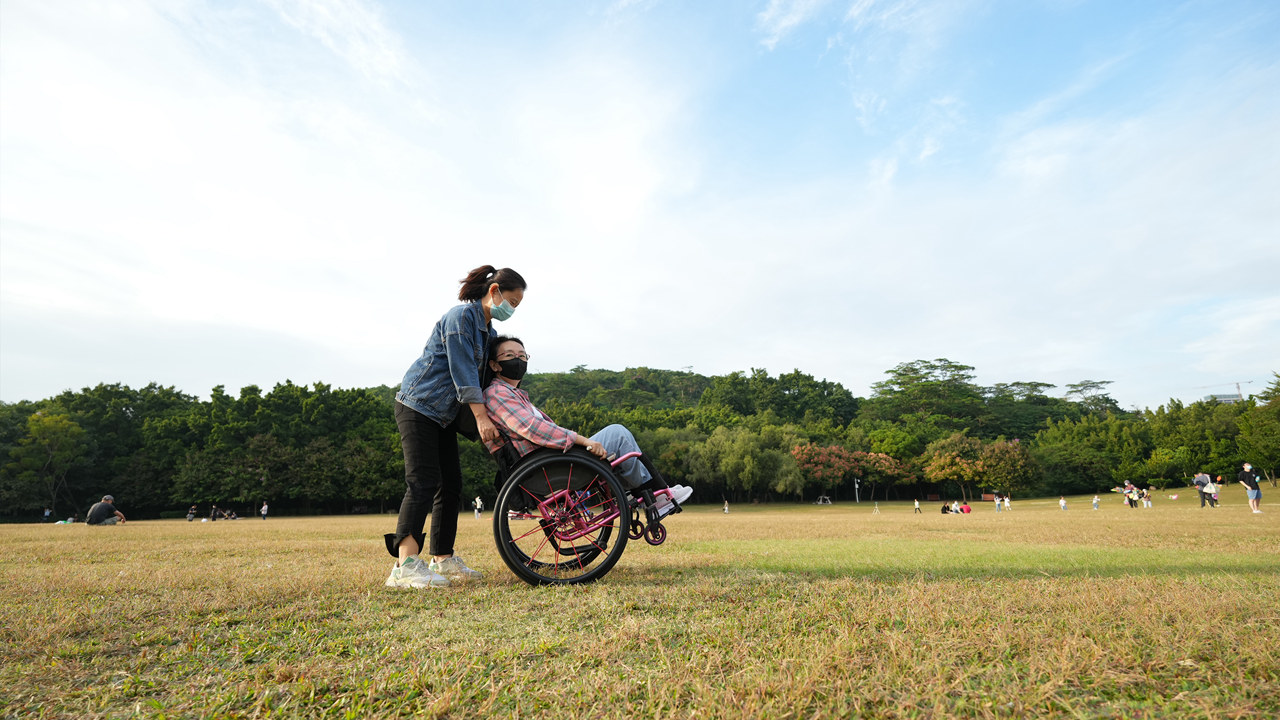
(561,518)
(655,534)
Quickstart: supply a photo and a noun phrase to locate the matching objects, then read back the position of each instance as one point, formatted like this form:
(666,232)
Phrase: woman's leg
(420,438)
(448,495)
(618,441)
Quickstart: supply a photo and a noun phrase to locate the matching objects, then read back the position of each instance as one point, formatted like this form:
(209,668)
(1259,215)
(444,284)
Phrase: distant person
(1095,502)
(918,507)
(726,507)
(191,513)
(263,511)
(1062,502)
(965,508)
(478,504)
(1201,481)
(105,513)
(48,515)
(214,512)
(1249,480)
(1006,503)
(955,506)
(1146,497)
(997,503)
(946,509)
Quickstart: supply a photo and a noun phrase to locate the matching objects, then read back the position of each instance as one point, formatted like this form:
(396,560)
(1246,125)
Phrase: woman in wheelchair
(526,429)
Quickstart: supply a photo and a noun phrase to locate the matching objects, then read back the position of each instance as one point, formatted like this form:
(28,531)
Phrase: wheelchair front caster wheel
(655,534)
(636,530)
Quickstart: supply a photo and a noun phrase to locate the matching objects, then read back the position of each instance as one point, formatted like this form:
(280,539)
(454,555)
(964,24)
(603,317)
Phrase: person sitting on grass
(104,513)
(527,428)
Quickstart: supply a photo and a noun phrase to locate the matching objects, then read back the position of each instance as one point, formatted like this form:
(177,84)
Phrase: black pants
(1208,496)
(1204,496)
(433,479)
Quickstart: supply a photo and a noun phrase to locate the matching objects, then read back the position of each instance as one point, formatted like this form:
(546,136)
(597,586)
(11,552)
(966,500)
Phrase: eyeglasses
(513,356)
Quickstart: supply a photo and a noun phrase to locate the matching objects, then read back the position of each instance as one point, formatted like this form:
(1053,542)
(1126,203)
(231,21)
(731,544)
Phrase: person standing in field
(1249,480)
(263,511)
(997,503)
(1200,481)
(441,396)
(918,507)
(726,507)
(478,504)
(1095,502)
(104,513)
(1006,503)
(1062,502)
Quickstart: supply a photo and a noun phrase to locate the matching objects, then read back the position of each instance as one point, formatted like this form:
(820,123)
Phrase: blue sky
(233,193)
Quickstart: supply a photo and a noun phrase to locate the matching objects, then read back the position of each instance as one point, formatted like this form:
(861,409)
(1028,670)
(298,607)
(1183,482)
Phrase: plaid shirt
(520,422)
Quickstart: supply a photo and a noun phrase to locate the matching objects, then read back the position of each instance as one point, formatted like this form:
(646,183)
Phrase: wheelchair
(564,518)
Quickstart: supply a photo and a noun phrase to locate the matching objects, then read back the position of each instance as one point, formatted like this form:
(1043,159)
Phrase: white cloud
(353,29)
(781,17)
(1240,338)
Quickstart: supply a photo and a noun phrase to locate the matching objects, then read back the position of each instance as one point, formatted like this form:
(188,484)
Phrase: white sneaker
(679,493)
(415,574)
(1257,512)
(455,569)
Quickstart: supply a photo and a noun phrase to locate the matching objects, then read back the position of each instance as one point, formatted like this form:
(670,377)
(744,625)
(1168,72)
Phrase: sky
(222,192)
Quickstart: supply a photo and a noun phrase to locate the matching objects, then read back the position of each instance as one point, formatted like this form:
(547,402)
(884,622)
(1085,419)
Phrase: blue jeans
(618,441)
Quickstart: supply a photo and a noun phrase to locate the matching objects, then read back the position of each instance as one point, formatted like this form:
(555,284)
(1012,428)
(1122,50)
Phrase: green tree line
(927,429)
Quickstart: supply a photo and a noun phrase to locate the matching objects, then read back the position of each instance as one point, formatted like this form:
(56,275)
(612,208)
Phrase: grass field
(770,611)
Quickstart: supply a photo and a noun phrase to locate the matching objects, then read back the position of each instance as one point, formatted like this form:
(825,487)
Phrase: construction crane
(1238,383)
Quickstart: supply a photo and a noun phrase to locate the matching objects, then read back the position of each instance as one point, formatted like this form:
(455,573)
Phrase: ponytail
(477,282)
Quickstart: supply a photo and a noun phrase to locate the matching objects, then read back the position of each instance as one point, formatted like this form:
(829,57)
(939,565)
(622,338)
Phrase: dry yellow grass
(770,611)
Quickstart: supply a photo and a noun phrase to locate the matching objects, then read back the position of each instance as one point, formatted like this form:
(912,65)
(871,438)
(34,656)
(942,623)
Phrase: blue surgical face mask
(503,311)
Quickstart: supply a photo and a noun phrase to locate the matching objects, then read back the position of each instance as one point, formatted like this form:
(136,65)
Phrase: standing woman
(440,394)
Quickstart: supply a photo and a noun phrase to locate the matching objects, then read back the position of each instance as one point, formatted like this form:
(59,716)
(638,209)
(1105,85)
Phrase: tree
(879,469)
(955,458)
(742,461)
(1007,466)
(941,388)
(826,467)
(1259,439)
(732,391)
(1090,395)
(53,447)
(1272,392)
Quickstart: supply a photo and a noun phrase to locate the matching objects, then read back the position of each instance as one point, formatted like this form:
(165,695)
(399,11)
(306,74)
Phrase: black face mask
(513,369)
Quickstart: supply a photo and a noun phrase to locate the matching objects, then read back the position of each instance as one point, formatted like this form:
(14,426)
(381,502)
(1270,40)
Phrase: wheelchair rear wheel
(561,518)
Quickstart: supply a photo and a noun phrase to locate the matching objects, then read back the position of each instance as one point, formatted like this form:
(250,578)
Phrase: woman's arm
(464,370)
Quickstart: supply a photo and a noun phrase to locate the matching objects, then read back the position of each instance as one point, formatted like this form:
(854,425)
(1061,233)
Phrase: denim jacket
(448,373)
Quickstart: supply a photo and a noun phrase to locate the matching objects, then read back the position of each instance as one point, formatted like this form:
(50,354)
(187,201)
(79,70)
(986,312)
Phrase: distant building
(1224,399)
